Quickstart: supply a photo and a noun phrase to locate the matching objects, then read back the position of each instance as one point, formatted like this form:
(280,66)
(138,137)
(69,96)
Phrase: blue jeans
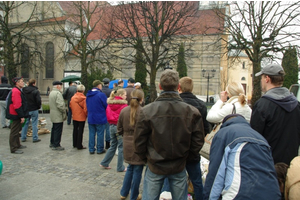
(69,115)
(115,141)
(34,116)
(194,172)
(166,185)
(153,184)
(132,181)
(99,129)
(107,132)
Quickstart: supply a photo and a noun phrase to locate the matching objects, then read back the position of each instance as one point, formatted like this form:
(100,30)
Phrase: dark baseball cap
(131,80)
(16,79)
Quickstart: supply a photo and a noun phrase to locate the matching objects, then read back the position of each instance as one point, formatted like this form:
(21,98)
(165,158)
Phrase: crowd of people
(254,155)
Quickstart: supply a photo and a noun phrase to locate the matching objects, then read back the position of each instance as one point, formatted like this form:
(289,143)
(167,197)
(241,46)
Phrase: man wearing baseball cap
(17,112)
(276,115)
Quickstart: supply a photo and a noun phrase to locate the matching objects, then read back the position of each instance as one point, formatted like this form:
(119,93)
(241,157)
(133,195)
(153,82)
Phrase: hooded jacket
(276,116)
(16,105)
(78,107)
(33,97)
(127,131)
(241,165)
(114,109)
(5,88)
(168,133)
(96,106)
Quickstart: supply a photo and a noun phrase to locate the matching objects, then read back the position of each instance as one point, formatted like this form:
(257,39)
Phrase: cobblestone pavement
(41,173)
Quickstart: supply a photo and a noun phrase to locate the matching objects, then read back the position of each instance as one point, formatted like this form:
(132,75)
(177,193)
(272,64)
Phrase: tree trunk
(153,92)
(256,83)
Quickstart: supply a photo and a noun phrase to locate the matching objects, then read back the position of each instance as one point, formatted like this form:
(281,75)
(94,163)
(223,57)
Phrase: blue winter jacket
(241,165)
(96,103)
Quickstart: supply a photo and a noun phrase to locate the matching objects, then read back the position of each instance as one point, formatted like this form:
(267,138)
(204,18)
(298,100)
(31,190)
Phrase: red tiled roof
(206,21)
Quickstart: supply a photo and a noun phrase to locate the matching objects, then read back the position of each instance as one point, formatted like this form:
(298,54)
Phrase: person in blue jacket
(96,103)
(241,164)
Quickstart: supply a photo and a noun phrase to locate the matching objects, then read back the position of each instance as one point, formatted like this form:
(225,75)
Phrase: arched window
(49,60)
(243,78)
(25,61)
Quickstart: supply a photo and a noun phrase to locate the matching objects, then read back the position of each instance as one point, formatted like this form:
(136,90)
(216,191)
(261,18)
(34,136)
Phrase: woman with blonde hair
(126,125)
(236,103)
(115,103)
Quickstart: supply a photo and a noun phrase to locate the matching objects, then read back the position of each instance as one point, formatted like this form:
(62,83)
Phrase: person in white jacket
(224,107)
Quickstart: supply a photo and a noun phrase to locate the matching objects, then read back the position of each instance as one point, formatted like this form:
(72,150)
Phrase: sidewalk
(41,173)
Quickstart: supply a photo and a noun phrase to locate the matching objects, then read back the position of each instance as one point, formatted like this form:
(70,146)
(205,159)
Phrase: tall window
(25,61)
(49,60)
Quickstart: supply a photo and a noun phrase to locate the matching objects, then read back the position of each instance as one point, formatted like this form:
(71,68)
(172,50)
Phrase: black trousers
(78,128)
(56,132)
(14,139)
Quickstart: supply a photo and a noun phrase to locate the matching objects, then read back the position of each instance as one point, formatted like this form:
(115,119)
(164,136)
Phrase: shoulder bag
(205,150)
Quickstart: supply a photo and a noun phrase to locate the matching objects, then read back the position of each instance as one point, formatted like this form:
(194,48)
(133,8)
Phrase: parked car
(295,89)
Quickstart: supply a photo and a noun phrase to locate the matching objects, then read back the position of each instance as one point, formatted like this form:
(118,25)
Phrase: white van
(295,89)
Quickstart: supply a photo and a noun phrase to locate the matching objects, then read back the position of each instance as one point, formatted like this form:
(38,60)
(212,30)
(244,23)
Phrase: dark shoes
(81,148)
(101,152)
(22,147)
(23,140)
(17,152)
(58,148)
(92,152)
(38,140)
(107,145)
(5,126)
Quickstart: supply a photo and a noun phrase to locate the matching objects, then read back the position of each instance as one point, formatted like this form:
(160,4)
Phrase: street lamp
(208,74)
(37,76)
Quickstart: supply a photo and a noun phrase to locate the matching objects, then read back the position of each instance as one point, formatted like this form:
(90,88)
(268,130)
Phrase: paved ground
(41,173)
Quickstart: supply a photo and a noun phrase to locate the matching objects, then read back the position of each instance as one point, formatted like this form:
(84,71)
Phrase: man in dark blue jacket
(68,94)
(33,98)
(5,88)
(241,165)
(106,90)
(276,115)
(96,103)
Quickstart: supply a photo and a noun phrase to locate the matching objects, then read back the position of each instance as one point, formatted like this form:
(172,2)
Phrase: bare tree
(86,31)
(161,25)
(262,29)
(14,33)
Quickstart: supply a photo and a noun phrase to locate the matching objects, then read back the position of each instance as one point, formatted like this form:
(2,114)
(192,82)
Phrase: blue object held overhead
(111,83)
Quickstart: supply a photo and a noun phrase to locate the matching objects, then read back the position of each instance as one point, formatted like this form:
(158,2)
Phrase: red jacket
(78,107)
(114,108)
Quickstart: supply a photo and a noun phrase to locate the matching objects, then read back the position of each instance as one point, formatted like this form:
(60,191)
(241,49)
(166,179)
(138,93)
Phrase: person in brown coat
(79,115)
(126,125)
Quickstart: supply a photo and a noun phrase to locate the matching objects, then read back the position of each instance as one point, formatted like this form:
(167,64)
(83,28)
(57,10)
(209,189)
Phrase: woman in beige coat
(126,125)
(292,183)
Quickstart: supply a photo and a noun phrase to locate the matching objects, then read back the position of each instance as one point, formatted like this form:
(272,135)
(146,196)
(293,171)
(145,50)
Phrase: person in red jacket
(17,112)
(79,115)
(116,102)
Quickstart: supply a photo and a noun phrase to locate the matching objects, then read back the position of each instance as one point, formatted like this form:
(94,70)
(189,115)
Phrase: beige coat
(57,106)
(292,183)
